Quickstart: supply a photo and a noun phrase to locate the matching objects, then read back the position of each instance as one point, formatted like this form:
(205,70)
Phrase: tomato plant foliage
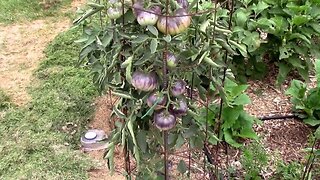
(139,55)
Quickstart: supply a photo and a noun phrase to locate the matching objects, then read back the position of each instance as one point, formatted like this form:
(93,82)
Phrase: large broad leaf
(236,91)
(241,15)
(301,37)
(297,89)
(317,69)
(242,99)
(284,69)
(312,122)
(229,139)
(300,20)
(230,115)
(252,40)
(259,7)
(284,52)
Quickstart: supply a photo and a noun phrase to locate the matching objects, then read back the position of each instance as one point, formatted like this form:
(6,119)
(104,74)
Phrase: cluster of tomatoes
(165,114)
(172,24)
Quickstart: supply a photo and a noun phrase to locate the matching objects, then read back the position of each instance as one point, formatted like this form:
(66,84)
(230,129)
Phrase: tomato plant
(161,72)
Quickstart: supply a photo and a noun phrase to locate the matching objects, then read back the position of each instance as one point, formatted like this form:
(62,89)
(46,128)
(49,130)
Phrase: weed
(253,160)
(288,171)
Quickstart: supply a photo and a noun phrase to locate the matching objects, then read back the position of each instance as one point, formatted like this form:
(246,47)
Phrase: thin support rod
(166,168)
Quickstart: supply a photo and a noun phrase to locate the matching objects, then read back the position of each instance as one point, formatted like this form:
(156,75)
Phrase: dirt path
(21,49)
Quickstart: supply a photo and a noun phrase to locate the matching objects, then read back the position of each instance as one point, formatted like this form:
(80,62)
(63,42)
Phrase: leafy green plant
(253,160)
(288,171)
(313,154)
(305,102)
(281,31)
(235,122)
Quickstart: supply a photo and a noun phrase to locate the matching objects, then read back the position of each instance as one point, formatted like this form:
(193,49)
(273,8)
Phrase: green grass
(4,100)
(21,10)
(32,141)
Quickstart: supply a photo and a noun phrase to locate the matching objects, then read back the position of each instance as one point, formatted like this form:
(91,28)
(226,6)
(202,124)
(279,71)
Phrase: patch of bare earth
(287,137)
(101,121)
(21,50)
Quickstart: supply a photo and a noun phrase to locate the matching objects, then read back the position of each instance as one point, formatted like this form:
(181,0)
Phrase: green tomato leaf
(119,113)
(140,39)
(317,135)
(127,62)
(122,94)
(180,141)
(242,16)
(300,36)
(153,45)
(128,70)
(142,141)
(315,27)
(167,38)
(204,26)
(153,30)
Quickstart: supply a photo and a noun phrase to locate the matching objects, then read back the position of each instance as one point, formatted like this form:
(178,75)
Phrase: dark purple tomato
(164,120)
(180,108)
(144,81)
(178,88)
